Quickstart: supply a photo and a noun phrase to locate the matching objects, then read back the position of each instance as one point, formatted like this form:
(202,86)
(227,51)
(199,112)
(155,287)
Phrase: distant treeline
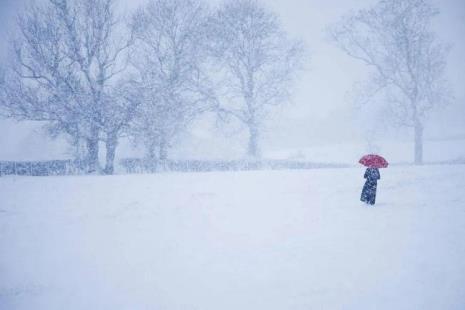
(138,165)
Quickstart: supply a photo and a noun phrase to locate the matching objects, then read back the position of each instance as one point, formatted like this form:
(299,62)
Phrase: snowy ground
(239,240)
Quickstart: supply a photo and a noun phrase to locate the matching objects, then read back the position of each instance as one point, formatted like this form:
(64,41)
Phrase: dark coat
(369,189)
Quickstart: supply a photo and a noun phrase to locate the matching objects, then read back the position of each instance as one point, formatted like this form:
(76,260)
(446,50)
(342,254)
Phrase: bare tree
(39,83)
(120,107)
(395,39)
(256,62)
(169,59)
(66,58)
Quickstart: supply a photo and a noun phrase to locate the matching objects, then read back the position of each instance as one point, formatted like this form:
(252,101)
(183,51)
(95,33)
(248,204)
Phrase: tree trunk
(92,150)
(418,151)
(151,161)
(151,151)
(163,155)
(253,150)
(111,143)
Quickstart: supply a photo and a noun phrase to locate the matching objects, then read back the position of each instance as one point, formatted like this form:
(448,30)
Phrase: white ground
(238,240)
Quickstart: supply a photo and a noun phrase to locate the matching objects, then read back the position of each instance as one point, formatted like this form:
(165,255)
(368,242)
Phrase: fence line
(138,165)
(43,168)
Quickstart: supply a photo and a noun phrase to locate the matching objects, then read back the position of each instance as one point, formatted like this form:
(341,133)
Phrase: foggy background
(321,113)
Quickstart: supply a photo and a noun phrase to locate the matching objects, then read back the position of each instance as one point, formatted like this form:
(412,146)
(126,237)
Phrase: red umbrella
(373,161)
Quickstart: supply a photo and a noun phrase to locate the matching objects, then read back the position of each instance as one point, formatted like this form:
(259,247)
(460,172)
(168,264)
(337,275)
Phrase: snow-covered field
(237,240)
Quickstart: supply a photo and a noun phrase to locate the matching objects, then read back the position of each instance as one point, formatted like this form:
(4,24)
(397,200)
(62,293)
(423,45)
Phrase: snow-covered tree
(256,63)
(120,107)
(66,60)
(395,39)
(169,55)
(39,83)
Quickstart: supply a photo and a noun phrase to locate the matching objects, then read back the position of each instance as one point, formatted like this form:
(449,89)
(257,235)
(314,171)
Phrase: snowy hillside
(243,240)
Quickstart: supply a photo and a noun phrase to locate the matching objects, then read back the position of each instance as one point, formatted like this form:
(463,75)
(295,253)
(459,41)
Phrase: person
(369,189)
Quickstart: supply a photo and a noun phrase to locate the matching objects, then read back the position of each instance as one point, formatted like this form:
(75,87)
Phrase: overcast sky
(321,112)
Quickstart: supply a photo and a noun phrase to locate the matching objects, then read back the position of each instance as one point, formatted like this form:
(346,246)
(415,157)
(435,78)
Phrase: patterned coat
(369,189)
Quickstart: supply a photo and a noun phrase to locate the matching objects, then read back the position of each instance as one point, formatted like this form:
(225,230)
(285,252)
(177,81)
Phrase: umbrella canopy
(373,161)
